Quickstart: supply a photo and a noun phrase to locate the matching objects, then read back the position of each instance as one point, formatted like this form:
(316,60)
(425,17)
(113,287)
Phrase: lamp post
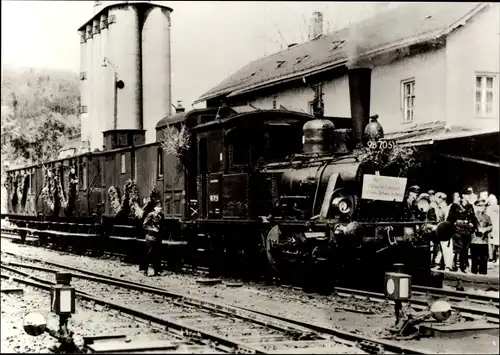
(118,84)
(62,303)
(397,288)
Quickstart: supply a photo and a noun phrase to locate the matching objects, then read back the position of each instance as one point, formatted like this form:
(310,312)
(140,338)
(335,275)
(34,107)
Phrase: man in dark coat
(410,209)
(479,243)
(152,226)
(463,218)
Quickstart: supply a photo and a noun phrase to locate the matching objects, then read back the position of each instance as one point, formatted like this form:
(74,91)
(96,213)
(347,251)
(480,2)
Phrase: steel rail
(187,330)
(416,303)
(452,293)
(281,323)
(422,304)
(47,286)
(426,291)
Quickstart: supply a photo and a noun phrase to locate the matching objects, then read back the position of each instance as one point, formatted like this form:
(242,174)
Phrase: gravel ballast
(320,310)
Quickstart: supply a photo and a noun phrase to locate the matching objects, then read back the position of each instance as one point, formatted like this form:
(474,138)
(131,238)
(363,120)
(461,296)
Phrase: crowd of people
(475,222)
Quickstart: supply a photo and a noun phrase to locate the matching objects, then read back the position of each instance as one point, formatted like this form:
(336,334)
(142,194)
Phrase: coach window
(84,165)
(408,99)
(159,162)
(122,164)
(30,182)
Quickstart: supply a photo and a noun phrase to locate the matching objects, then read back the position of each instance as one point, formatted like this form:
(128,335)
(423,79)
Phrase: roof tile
(400,24)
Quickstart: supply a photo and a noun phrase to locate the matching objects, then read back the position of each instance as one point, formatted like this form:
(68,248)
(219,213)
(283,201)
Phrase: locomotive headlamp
(342,204)
(62,298)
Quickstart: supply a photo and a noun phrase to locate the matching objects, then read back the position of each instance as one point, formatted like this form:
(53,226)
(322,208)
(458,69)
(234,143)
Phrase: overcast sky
(210,40)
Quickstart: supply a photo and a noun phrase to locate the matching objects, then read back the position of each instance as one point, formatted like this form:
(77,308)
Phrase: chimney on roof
(316,26)
(179,108)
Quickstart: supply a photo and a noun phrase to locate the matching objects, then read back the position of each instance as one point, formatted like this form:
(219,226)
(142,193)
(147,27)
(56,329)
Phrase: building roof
(183,116)
(396,28)
(429,133)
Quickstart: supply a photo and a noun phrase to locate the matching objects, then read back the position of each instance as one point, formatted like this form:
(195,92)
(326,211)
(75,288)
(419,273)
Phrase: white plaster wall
(429,71)
(473,48)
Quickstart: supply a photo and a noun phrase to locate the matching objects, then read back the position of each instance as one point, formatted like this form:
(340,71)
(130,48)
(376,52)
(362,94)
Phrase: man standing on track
(152,226)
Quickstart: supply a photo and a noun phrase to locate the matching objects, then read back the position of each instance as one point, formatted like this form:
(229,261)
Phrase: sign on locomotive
(271,191)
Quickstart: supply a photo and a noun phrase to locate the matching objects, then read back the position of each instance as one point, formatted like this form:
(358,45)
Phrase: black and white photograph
(250,177)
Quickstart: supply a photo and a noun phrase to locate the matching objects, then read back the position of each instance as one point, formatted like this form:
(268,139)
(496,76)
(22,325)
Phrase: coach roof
(403,26)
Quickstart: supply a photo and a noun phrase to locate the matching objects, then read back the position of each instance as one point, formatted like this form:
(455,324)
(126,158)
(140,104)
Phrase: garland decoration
(20,187)
(24,194)
(73,182)
(402,159)
(136,211)
(114,199)
(128,205)
(48,190)
(14,199)
(176,142)
(8,182)
(59,193)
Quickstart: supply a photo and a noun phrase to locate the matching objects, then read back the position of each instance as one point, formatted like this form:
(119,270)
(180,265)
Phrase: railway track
(91,323)
(469,304)
(234,328)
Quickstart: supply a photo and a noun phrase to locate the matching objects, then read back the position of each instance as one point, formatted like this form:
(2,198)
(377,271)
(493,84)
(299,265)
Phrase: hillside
(39,113)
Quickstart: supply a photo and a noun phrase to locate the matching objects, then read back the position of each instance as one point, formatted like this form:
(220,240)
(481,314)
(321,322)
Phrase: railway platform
(491,278)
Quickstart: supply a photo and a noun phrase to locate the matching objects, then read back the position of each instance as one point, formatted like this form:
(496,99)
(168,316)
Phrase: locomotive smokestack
(359,93)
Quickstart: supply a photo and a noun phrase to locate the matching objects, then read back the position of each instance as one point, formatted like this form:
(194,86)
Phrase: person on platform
(456,198)
(410,208)
(432,196)
(440,206)
(426,213)
(492,211)
(152,226)
(479,242)
(445,254)
(464,220)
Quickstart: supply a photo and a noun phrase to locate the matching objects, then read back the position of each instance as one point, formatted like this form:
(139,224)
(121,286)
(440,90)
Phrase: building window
(159,162)
(485,93)
(83,109)
(122,164)
(408,90)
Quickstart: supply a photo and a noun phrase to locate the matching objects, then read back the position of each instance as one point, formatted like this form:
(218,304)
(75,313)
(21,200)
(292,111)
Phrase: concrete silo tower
(125,73)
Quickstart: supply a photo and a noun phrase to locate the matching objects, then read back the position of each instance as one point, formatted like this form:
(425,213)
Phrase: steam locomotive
(260,191)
